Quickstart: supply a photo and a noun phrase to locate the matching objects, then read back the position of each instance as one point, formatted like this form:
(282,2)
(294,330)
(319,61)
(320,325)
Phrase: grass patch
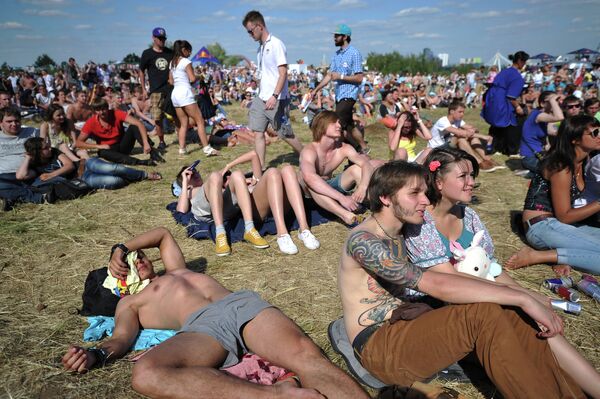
(47,251)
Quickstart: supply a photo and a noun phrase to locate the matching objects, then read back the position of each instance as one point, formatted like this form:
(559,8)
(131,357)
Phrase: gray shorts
(279,117)
(225,319)
(201,206)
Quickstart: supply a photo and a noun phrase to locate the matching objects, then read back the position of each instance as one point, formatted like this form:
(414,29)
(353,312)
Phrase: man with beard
(403,343)
(347,72)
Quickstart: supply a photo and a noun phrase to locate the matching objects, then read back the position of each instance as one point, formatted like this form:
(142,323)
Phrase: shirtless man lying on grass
(215,327)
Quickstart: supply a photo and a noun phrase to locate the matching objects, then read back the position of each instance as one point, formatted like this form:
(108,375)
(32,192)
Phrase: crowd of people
(395,263)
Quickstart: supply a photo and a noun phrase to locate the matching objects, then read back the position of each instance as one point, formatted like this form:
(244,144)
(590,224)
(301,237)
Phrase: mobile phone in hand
(193,165)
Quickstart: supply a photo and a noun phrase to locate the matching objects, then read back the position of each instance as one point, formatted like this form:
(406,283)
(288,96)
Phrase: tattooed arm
(382,258)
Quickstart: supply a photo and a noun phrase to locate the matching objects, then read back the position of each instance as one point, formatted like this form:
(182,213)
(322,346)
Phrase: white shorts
(182,96)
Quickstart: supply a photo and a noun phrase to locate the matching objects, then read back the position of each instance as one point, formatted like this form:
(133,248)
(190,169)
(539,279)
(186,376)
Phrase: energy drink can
(568,307)
(552,283)
(567,281)
(568,293)
(589,288)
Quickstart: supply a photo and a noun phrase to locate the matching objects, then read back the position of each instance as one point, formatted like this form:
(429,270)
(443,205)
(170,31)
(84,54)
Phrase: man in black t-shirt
(156,61)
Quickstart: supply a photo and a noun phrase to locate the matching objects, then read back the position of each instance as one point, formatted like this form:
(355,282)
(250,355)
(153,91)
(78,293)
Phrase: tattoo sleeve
(383,258)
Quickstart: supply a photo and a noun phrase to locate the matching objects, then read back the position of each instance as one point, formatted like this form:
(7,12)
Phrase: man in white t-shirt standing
(452,131)
(272,105)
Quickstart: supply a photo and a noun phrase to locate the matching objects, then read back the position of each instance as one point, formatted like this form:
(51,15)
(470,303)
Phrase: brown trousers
(520,364)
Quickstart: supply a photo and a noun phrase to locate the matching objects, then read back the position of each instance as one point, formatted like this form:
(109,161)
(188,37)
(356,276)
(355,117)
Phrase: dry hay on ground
(47,251)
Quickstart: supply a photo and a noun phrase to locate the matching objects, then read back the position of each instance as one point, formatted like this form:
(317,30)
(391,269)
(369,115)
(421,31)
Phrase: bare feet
(527,256)
(562,270)
(154,176)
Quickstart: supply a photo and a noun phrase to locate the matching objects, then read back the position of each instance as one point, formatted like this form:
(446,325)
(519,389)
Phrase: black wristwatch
(275,95)
(101,356)
(122,247)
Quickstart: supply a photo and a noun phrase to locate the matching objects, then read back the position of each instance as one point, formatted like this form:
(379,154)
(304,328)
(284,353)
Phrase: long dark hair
(413,124)
(562,152)
(178,48)
(519,56)
(50,116)
(438,163)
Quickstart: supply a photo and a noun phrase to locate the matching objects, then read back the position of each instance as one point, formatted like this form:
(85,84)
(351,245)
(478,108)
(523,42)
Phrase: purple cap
(159,32)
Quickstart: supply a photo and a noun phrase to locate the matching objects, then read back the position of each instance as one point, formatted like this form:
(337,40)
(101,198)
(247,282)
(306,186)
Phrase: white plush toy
(474,260)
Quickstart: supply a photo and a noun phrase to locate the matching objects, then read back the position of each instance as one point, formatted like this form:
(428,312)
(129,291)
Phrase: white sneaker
(209,151)
(182,151)
(286,245)
(309,240)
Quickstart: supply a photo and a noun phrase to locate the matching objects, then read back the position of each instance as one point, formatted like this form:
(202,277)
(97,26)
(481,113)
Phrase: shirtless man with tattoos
(404,343)
(216,326)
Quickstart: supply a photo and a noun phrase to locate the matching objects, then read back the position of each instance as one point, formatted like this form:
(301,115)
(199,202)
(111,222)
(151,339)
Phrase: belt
(528,223)
(361,339)
(346,99)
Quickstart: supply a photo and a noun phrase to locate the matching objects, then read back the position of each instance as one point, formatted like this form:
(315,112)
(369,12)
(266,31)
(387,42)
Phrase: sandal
(154,176)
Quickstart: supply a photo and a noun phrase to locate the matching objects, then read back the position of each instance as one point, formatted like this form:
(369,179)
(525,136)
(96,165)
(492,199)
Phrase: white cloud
(576,19)
(416,10)
(47,13)
(484,14)
(83,26)
(424,35)
(45,2)
(509,26)
(12,25)
(351,3)
(29,37)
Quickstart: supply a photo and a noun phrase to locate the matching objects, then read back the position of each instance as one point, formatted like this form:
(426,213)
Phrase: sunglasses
(573,106)
(251,30)
(595,133)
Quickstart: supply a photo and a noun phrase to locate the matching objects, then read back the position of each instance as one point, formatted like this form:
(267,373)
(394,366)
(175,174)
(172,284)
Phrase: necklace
(385,232)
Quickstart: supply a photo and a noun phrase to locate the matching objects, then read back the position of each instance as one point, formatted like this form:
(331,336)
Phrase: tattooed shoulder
(382,257)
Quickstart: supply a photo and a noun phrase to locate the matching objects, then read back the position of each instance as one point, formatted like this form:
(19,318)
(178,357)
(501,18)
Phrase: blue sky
(103,30)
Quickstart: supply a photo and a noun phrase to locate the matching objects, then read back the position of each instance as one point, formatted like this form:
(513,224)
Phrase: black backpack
(71,189)
(97,300)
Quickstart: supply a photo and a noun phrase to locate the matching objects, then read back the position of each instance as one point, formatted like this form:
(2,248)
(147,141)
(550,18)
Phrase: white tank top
(180,77)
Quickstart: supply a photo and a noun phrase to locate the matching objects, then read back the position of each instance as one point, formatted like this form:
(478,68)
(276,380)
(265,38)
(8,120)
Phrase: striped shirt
(346,61)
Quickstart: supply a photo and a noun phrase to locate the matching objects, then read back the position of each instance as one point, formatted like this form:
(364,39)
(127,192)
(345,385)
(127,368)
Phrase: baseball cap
(343,29)
(159,32)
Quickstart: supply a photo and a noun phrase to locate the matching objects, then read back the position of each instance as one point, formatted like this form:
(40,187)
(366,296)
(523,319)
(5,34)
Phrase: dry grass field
(46,252)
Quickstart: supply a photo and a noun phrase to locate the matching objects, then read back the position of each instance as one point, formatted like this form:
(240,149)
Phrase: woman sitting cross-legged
(226,193)
(450,177)
(48,166)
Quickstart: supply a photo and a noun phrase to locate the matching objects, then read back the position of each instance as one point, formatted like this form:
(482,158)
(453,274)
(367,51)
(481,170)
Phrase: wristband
(342,76)
(419,121)
(275,95)
(122,247)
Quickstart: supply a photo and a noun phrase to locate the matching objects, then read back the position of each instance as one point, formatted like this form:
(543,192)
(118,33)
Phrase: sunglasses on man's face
(573,106)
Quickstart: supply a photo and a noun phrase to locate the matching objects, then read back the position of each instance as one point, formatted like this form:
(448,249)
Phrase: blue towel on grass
(235,227)
(104,325)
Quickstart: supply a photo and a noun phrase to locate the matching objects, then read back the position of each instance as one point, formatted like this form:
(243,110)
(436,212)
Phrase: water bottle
(286,127)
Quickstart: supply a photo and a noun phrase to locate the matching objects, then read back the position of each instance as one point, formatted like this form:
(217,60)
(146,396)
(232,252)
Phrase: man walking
(272,105)
(347,72)
(155,61)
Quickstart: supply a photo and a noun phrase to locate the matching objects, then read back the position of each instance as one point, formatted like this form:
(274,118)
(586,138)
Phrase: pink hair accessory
(434,165)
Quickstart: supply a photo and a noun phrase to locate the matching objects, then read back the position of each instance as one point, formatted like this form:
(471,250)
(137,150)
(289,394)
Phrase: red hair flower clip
(434,165)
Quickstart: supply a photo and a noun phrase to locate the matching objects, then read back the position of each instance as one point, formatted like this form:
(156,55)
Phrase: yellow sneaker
(222,248)
(254,238)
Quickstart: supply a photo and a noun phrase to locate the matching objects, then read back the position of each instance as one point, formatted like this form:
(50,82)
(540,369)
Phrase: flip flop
(341,345)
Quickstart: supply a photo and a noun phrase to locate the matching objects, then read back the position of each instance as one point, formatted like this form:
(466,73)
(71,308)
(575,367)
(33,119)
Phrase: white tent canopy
(499,60)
